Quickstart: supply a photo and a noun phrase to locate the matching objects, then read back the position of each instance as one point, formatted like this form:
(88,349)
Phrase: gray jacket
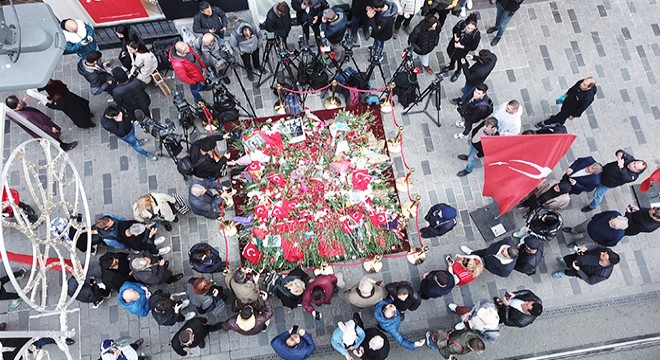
(211,56)
(240,43)
(154,274)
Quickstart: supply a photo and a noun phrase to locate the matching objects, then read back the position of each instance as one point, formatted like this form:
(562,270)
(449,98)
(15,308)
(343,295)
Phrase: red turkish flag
(515,165)
(361,180)
(292,250)
(251,253)
(378,219)
(260,211)
(277,179)
(646,184)
(357,216)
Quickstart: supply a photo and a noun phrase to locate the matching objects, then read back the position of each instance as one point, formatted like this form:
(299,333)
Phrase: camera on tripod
(324,44)
(186,115)
(213,79)
(270,36)
(347,43)
(438,79)
(153,126)
(375,55)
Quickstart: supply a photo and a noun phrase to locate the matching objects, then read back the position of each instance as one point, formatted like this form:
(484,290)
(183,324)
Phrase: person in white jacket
(407,10)
(144,62)
(509,118)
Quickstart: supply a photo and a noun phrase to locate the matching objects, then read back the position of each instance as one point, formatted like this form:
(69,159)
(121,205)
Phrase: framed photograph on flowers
(293,129)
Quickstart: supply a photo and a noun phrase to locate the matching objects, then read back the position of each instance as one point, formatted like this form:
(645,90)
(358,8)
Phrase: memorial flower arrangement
(317,191)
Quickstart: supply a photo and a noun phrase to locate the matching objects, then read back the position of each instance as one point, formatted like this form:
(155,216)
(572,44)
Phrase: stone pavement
(548,46)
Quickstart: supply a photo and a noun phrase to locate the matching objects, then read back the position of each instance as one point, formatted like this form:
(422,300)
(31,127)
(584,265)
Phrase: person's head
(619,223)
(511,252)
(366,286)
(122,31)
(654,213)
(281,8)
(637,166)
(141,263)
(144,202)
(104,222)
(93,57)
(349,335)
(378,5)
(164,305)
(246,312)
(474,265)
(476,345)
(389,311)
(609,258)
(186,337)
(562,187)
(595,168)
(114,112)
(442,278)
(402,291)
(532,307)
(293,340)
(587,83)
(471,22)
(296,287)
(480,91)
(246,320)
(13,102)
(197,190)
(205,8)
(136,229)
(137,47)
(208,40)
(247,32)
(69,25)
(532,244)
(197,256)
(201,286)
(109,262)
(376,343)
(318,294)
(181,48)
(512,107)
(485,56)
(329,15)
(528,132)
(240,276)
(490,125)
(130,295)
(429,23)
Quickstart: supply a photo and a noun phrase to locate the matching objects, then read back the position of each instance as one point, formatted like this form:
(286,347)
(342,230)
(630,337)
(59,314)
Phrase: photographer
(208,164)
(245,39)
(210,19)
(308,14)
(188,67)
(334,27)
(423,39)
(117,121)
(129,93)
(278,21)
(383,14)
(209,48)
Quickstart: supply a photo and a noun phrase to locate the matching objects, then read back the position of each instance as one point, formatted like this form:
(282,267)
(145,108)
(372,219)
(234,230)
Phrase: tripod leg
(240,82)
(438,101)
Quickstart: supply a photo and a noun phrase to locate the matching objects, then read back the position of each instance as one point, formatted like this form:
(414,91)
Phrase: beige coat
(160,207)
(146,63)
(247,292)
(558,203)
(353,297)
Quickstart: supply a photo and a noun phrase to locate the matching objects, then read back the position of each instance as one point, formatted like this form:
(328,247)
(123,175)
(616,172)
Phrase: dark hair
(528,132)
(197,255)
(124,30)
(12,102)
(477,344)
(204,5)
(246,312)
(537,309)
(513,252)
(201,286)
(491,121)
(614,257)
(110,112)
(141,47)
(239,275)
(318,293)
(472,18)
(106,262)
(442,278)
(402,289)
(56,90)
(93,56)
(482,87)
(485,55)
(120,75)
(184,337)
(656,212)
(282,7)
(377,4)
(63,23)
(164,305)
(428,22)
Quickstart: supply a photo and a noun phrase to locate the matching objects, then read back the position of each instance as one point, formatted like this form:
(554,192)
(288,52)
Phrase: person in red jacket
(319,292)
(188,67)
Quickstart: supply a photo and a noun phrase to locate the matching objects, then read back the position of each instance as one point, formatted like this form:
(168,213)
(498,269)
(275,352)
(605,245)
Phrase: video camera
(270,36)
(347,43)
(153,126)
(324,44)
(375,55)
(213,79)
(186,115)
(407,57)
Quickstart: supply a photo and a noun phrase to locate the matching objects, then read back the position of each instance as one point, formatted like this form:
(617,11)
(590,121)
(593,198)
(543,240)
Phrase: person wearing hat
(151,270)
(319,292)
(250,321)
(134,297)
(365,294)
(437,283)
(519,308)
(499,258)
(347,337)
(441,219)
(375,345)
(455,342)
(530,253)
(483,318)
(606,229)
(403,296)
(166,310)
(192,335)
(129,93)
(295,344)
(389,319)
(111,350)
(79,37)
(139,236)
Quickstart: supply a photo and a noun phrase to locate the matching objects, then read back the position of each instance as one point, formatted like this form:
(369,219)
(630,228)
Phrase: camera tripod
(374,62)
(435,89)
(220,90)
(285,61)
(406,65)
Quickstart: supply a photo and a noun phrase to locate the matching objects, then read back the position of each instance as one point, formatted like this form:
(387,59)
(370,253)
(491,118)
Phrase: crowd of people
(134,261)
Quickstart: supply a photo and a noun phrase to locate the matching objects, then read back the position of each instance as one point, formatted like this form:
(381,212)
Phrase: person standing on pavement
(455,342)
(592,264)
(472,111)
(151,270)
(482,317)
(206,296)
(530,254)
(6,295)
(246,39)
(441,8)
(333,27)
(244,284)
(72,105)
(156,207)
(407,10)
(111,350)
(499,258)
(130,94)
(291,288)
(359,19)
(486,128)
(423,40)
(625,169)
(192,335)
(167,311)
(209,19)
(308,15)
(441,219)
(583,175)
(475,74)
(202,201)
(250,320)
(509,118)
(365,294)
(642,220)
(139,236)
(375,346)
(97,73)
(606,228)
(573,103)
(319,291)
(403,295)
(389,319)
(205,259)
(382,14)
(143,62)
(79,37)
(436,284)
(348,336)
(519,308)
(294,344)
(118,121)
(505,11)
(38,119)
(211,50)
(278,22)
(465,38)
(134,297)
(188,67)
(115,269)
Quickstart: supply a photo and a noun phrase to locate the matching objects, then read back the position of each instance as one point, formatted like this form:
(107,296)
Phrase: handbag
(180,205)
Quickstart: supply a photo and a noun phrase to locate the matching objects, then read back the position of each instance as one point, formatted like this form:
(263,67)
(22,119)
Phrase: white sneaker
(159,240)
(164,250)
(190,315)
(459,326)
(463,12)
(452,307)
(185,303)
(469,4)
(466,250)
(459,123)
(460,136)
(97,304)
(340,280)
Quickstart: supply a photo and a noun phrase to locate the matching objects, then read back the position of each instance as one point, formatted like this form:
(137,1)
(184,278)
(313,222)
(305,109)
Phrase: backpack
(161,49)
(186,167)
(292,103)
(406,88)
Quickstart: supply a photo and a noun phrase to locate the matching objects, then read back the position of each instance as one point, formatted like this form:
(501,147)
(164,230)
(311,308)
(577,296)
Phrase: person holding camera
(333,28)
(382,13)
(210,19)
(166,310)
(156,207)
(477,108)
(144,62)
(188,67)
(294,344)
(210,49)
(207,163)
(423,40)
(250,320)
(278,21)
(308,14)
(129,93)
(245,39)
(117,121)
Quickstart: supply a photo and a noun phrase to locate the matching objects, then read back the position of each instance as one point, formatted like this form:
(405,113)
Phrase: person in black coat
(592,264)
(129,93)
(308,14)
(382,14)
(210,19)
(499,258)
(625,169)
(465,38)
(576,100)
(115,269)
(583,174)
(508,308)
(167,311)
(423,40)
(192,334)
(403,296)
(139,236)
(437,283)
(441,219)
(475,109)
(203,157)
(119,122)
(375,345)
(74,106)
(642,220)
(486,128)
(96,73)
(278,21)
(477,73)
(359,18)
(291,288)
(127,34)
(530,253)
(90,292)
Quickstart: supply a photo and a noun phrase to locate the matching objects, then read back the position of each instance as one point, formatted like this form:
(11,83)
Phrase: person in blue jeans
(505,11)
(624,170)
(117,121)
(487,128)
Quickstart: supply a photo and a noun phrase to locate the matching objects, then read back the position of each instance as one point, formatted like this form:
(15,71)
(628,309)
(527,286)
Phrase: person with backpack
(477,108)
(205,259)
(423,40)
(441,219)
